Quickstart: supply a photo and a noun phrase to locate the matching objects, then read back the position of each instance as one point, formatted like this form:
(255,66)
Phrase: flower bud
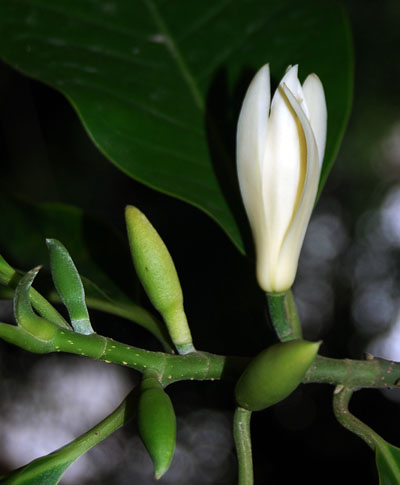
(157,273)
(274,374)
(280,148)
(157,424)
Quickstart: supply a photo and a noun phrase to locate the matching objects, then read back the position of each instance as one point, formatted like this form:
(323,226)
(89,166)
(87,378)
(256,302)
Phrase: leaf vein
(205,19)
(176,55)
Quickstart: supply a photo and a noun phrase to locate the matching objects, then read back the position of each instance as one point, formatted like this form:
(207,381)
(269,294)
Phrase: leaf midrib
(175,54)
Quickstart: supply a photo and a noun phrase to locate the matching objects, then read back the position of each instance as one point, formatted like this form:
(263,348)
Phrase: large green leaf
(388,463)
(158,83)
(48,470)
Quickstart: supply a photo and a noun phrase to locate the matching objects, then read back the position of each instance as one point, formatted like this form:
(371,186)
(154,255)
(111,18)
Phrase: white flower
(280,148)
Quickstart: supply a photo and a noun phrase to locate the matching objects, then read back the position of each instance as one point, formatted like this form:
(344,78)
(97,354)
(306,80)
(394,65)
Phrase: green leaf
(98,252)
(388,463)
(158,84)
(49,469)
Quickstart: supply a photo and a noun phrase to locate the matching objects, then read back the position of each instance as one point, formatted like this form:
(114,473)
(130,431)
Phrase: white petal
(251,138)
(293,241)
(253,118)
(315,100)
(283,172)
(290,79)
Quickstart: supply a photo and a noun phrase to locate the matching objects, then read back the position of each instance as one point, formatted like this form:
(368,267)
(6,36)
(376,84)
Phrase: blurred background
(347,291)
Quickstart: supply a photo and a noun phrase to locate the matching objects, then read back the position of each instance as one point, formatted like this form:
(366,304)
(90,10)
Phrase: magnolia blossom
(280,148)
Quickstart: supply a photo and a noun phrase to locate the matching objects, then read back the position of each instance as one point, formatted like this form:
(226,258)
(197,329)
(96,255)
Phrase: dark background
(347,291)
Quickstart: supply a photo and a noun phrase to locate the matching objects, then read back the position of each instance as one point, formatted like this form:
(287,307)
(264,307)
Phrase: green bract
(157,273)
(157,424)
(274,374)
(37,326)
(69,286)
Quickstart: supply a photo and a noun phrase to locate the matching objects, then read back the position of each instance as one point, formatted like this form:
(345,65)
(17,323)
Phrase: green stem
(374,373)
(171,368)
(386,460)
(341,399)
(284,317)
(120,416)
(130,311)
(18,336)
(40,304)
(57,462)
(241,434)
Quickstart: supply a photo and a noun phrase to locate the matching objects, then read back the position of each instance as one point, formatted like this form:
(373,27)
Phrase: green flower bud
(157,273)
(157,424)
(274,374)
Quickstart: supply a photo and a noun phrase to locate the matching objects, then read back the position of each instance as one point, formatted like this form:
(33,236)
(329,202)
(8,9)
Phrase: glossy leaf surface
(158,84)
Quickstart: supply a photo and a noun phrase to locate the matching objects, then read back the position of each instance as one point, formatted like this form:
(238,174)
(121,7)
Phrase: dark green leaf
(388,463)
(158,84)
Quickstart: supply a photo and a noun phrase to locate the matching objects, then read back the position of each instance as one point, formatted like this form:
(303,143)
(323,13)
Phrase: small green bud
(157,273)
(69,286)
(37,326)
(157,424)
(274,374)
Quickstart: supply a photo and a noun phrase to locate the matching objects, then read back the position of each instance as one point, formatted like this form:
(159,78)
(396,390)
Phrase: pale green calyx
(157,273)
(280,148)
